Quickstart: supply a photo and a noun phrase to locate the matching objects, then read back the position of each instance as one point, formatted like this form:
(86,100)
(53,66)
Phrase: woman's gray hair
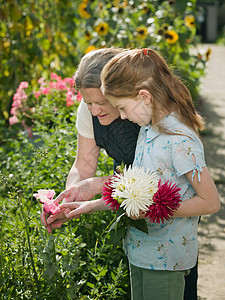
(89,69)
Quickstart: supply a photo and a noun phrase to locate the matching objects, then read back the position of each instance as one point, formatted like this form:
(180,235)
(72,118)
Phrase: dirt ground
(211,281)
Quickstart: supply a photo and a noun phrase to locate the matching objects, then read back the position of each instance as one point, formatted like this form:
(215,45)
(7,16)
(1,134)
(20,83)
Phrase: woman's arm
(205,202)
(81,185)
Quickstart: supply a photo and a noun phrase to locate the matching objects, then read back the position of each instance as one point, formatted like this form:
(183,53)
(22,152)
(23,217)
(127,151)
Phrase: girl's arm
(75,209)
(205,202)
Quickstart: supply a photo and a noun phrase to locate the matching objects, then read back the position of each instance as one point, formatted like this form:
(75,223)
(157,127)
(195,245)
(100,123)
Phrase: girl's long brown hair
(132,70)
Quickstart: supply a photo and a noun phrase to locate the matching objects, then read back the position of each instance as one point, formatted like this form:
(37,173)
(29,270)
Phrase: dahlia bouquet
(133,192)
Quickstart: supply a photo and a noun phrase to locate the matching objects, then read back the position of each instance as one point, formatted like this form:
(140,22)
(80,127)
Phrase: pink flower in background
(60,90)
(23,85)
(41,80)
(70,98)
(37,94)
(55,76)
(61,85)
(53,84)
(69,102)
(46,90)
(79,96)
(46,197)
(69,80)
(13,120)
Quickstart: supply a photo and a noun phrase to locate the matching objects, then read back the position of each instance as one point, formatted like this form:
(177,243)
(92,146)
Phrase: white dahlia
(134,189)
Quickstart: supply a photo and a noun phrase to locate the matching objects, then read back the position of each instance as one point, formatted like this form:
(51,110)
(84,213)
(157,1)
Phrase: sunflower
(171,36)
(87,35)
(119,3)
(90,48)
(82,10)
(208,53)
(142,32)
(102,28)
(189,21)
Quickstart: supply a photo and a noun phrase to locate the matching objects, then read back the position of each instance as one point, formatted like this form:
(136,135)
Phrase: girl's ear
(145,95)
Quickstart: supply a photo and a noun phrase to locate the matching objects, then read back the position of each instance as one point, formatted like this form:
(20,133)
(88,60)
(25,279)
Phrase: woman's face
(99,106)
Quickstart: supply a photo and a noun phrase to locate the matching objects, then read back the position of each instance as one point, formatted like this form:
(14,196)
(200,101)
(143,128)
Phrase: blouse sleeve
(84,121)
(188,155)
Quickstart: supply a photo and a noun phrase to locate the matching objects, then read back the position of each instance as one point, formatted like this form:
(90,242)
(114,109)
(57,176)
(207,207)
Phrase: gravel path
(211,282)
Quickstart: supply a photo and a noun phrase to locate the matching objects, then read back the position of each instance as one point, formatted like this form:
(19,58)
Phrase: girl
(140,85)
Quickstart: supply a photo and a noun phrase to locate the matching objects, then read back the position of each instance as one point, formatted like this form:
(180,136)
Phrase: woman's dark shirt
(118,139)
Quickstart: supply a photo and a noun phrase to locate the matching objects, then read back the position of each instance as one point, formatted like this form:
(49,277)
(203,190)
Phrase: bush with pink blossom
(39,103)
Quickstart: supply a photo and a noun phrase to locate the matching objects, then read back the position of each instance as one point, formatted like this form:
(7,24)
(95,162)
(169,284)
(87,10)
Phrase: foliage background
(38,38)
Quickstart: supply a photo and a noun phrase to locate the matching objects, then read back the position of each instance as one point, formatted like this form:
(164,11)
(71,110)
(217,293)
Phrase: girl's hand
(74,209)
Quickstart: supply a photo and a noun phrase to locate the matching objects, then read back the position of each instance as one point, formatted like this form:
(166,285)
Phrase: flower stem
(96,244)
(33,181)
(1,254)
(30,250)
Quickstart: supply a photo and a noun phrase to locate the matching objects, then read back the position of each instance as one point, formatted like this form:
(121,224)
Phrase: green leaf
(181,5)
(91,285)
(140,225)
(103,271)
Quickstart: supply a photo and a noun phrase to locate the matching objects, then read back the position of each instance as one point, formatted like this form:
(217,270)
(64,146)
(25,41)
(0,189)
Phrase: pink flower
(41,80)
(55,76)
(29,131)
(37,94)
(13,120)
(107,196)
(69,98)
(46,90)
(50,207)
(69,80)
(166,200)
(46,197)
(79,96)
(23,85)
(44,194)
(53,84)
(61,85)
(69,102)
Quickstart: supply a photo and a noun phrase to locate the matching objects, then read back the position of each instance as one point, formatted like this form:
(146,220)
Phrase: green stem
(32,191)
(1,254)
(30,250)
(96,244)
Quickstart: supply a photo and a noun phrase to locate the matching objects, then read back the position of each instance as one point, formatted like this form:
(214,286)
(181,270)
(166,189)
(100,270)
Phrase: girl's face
(137,110)
(99,106)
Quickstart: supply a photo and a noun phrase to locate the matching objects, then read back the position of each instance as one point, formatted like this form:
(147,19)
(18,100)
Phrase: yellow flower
(119,3)
(208,53)
(102,28)
(90,48)
(189,21)
(6,44)
(142,32)
(82,10)
(87,35)
(171,36)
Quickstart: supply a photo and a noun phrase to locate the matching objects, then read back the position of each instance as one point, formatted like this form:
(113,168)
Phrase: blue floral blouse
(172,245)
